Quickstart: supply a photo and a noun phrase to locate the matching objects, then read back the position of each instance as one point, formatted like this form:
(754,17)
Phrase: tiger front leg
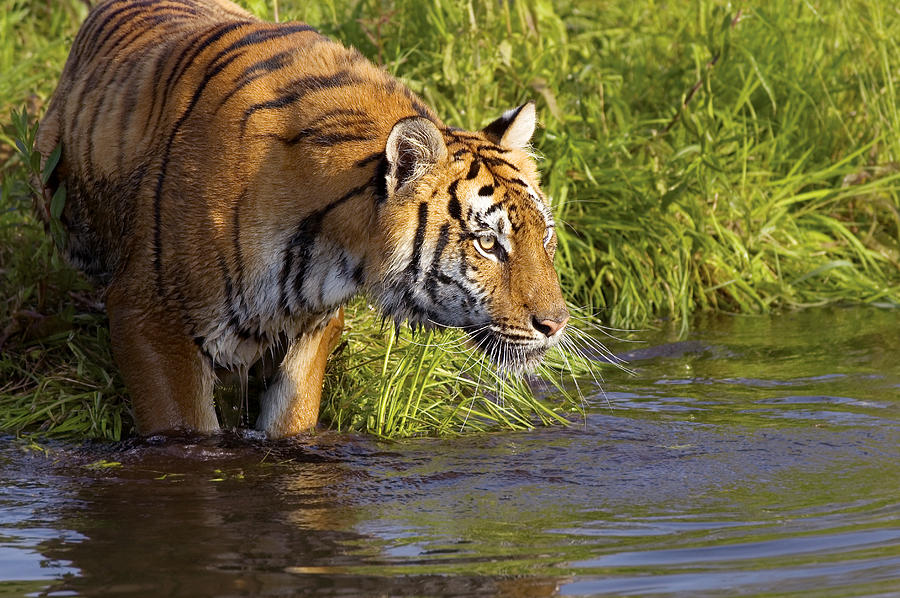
(169,380)
(291,404)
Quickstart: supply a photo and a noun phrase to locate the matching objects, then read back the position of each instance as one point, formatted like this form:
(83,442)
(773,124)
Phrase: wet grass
(702,156)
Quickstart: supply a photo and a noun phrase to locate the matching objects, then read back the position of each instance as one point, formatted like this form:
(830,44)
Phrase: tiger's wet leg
(168,379)
(291,404)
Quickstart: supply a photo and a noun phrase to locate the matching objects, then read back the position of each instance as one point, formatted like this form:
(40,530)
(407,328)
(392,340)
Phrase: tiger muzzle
(550,326)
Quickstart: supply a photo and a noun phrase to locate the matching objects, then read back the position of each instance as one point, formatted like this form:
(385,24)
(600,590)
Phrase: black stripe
(143,24)
(369,159)
(443,239)
(161,60)
(258,36)
(512,211)
(87,38)
(435,270)
(257,71)
(465,266)
(299,88)
(359,272)
(419,239)
(267,65)
(490,147)
(419,108)
(129,37)
(453,206)
(454,209)
(493,208)
(98,24)
(461,152)
(474,168)
(486,190)
(471,298)
(431,289)
(320,135)
(300,246)
(133,33)
(510,182)
(379,179)
(422,110)
(496,161)
(190,53)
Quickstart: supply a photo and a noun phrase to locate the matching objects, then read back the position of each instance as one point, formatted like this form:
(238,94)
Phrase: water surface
(760,455)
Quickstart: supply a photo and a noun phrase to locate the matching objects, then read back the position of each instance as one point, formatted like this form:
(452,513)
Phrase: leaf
(19,119)
(58,234)
(103,464)
(58,202)
(505,50)
(449,65)
(50,165)
(822,269)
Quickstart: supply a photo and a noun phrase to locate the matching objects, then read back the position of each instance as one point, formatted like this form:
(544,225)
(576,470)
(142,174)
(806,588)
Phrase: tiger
(232,183)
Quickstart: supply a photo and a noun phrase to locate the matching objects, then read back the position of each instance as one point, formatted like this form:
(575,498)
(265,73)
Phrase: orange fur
(232,183)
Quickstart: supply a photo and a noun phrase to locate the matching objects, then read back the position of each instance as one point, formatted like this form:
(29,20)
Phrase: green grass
(703,156)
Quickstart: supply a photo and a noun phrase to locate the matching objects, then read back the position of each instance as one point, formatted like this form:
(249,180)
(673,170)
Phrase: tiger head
(468,238)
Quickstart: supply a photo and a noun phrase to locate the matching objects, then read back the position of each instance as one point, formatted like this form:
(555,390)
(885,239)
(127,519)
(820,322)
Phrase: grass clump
(424,383)
(702,156)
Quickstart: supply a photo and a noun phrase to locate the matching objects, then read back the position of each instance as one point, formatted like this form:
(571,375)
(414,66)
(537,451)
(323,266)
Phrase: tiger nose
(548,326)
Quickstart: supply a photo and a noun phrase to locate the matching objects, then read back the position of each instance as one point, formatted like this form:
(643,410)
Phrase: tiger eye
(487,242)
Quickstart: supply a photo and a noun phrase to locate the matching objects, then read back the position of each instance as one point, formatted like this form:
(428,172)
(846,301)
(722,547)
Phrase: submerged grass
(702,156)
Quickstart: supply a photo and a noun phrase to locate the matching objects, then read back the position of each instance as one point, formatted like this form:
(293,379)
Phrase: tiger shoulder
(232,183)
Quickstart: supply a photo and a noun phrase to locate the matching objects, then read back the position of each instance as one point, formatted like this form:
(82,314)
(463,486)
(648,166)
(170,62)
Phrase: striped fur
(232,183)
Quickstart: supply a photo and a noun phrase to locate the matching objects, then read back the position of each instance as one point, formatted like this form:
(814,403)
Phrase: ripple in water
(760,455)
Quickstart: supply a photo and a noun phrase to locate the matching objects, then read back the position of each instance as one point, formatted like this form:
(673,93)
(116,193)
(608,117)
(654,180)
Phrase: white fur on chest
(258,318)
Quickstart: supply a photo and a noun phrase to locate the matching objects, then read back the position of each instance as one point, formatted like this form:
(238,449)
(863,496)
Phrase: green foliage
(392,383)
(702,156)
(37,174)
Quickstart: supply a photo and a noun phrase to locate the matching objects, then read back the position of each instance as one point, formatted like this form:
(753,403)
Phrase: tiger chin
(232,183)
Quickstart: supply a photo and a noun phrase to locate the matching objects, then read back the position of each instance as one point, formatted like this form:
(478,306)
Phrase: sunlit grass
(395,383)
(702,156)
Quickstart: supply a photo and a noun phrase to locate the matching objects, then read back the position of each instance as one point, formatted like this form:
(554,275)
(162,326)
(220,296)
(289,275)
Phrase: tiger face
(468,238)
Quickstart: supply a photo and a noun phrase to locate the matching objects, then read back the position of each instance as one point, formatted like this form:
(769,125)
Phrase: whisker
(597,351)
(570,343)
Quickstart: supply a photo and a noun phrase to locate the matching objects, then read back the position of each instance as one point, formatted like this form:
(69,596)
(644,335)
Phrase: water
(759,456)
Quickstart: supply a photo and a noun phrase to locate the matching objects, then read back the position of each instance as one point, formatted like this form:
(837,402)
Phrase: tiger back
(232,183)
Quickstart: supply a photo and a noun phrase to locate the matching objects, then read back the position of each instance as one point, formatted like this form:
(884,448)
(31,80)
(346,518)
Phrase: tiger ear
(413,147)
(513,130)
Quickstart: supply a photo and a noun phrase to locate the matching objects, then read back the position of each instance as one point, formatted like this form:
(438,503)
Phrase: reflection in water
(760,455)
(229,517)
